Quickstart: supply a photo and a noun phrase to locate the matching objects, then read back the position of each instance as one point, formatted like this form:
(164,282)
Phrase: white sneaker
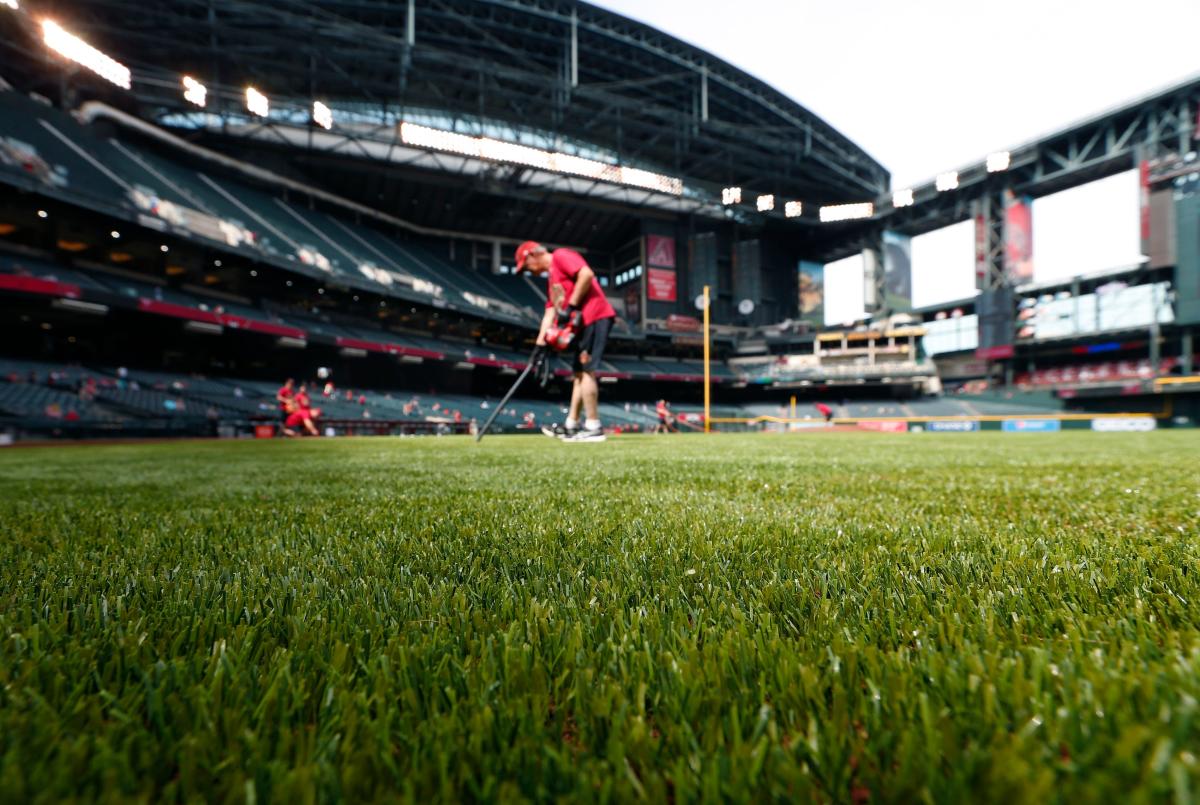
(587,435)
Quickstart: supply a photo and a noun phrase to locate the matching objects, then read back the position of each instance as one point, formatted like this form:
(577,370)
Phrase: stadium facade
(280,188)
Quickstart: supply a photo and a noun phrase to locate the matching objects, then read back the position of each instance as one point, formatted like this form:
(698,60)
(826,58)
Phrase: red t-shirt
(563,271)
(283,395)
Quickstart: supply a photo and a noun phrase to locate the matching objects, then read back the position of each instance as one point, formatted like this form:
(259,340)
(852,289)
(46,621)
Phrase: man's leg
(590,392)
(591,349)
(591,429)
(576,399)
(572,424)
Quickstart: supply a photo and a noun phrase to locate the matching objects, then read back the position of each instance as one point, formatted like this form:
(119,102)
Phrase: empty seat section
(33,144)
(338,244)
(389,253)
(30,400)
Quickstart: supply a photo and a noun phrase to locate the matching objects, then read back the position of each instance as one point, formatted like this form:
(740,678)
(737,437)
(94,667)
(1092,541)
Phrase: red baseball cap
(524,250)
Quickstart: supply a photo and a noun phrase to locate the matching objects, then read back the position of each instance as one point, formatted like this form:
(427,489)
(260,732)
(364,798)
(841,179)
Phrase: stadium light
(766,203)
(998,161)
(793,209)
(731,195)
(76,50)
(847,212)
(500,151)
(257,103)
(322,115)
(946,181)
(194,91)
(902,198)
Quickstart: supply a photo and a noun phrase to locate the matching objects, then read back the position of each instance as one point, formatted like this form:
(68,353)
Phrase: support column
(1155,333)
(989,240)
(995,306)
(873,295)
(574,69)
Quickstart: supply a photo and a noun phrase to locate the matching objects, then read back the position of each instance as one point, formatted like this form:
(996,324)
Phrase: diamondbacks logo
(558,297)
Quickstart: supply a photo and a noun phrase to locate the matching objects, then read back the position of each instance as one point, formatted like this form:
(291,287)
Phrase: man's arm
(547,319)
(583,283)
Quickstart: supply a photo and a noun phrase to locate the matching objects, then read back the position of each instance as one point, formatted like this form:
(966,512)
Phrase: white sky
(932,85)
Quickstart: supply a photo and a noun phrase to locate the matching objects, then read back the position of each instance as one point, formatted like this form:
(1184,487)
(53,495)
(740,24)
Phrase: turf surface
(838,616)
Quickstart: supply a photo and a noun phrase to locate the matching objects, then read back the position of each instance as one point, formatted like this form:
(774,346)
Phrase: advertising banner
(660,251)
(885,426)
(633,303)
(952,426)
(1031,425)
(1018,240)
(897,272)
(660,285)
(981,249)
(678,323)
(812,292)
(1141,424)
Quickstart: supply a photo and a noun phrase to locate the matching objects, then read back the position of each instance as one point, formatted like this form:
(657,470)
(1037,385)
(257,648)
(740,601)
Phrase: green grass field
(840,617)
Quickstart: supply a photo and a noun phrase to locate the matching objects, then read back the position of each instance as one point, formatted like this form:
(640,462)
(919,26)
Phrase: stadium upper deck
(555,75)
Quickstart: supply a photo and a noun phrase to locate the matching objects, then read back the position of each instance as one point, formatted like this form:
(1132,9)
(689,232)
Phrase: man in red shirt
(666,422)
(302,418)
(574,297)
(286,399)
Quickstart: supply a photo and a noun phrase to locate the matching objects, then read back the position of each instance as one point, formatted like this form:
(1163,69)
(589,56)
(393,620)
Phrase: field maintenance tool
(539,363)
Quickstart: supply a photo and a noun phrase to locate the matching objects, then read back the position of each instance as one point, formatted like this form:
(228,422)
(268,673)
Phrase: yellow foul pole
(707,393)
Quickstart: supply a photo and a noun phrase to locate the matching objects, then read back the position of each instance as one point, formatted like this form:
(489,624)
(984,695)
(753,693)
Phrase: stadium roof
(582,78)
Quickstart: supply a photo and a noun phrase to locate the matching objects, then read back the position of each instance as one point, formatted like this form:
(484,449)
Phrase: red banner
(884,426)
(1018,240)
(14,282)
(683,324)
(995,353)
(981,247)
(258,326)
(661,285)
(660,251)
(1144,204)
(177,311)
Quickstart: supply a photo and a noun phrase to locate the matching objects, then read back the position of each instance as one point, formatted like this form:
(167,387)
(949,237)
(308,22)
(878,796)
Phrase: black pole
(533,359)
